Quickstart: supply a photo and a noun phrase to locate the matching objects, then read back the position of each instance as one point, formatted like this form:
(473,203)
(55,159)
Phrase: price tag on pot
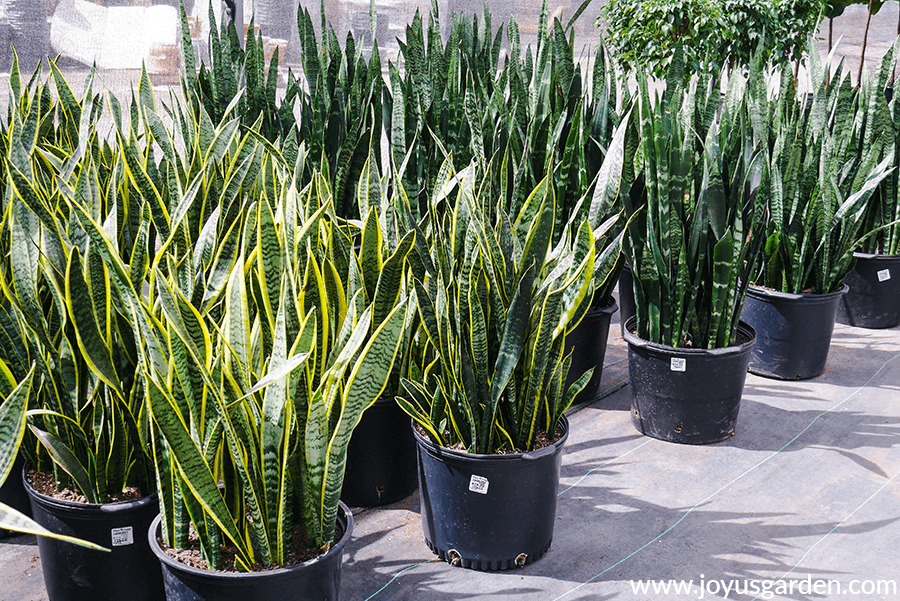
(122,537)
(678,364)
(884,275)
(478,484)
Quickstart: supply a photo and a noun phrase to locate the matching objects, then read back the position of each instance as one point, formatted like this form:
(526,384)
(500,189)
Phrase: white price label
(678,364)
(884,275)
(478,484)
(122,537)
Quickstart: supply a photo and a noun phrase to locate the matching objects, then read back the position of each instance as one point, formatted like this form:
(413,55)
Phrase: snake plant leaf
(388,288)
(415,409)
(192,467)
(151,348)
(723,258)
(138,175)
(477,330)
(609,177)
(21,185)
(371,253)
(537,357)
(223,264)
(12,423)
(515,331)
(64,458)
(24,257)
(187,48)
(364,385)
(368,191)
(91,341)
(280,372)
(535,224)
(269,260)
(275,434)
(577,286)
(11,519)
(224,137)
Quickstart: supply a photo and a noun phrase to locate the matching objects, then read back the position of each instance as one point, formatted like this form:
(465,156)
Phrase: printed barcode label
(678,364)
(478,484)
(884,275)
(122,536)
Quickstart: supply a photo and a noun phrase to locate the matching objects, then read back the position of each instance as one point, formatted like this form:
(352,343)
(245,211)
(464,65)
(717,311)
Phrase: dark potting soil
(740,339)
(541,439)
(45,483)
(297,554)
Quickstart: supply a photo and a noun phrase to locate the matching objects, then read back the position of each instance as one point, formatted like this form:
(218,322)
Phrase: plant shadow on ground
(598,527)
(773,412)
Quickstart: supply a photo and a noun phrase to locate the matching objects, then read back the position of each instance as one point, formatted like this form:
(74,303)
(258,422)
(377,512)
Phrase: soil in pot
(672,395)
(381,457)
(588,345)
(873,300)
(489,512)
(317,578)
(794,332)
(74,573)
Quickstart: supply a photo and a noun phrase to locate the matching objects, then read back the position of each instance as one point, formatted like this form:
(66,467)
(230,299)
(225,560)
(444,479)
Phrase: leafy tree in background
(643,34)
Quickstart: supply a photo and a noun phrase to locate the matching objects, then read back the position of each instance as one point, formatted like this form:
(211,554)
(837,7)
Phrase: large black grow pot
(75,573)
(318,579)
(381,457)
(627,308)
(794,332)
(12,493)
(687,395)
(873,300)
(489,512)
(588,345)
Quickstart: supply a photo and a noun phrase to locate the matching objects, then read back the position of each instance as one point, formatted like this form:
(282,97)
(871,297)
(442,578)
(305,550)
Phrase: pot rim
(759,291)
(635,341)
(275,573)
(551,449)
(876,256)
(111,507)
(611,308)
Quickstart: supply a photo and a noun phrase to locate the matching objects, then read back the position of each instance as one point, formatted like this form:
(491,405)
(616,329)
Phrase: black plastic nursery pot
(588,345)
(13,494)
(489,512)
(75,573)
(318,579)
(381,457)
(794,332)
(873,300)
(627,308)
(687,395)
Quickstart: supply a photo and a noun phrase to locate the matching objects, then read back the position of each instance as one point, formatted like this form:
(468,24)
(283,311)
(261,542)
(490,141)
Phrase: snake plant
(239,72)
(495,303)
(59,309)
(340,108)
(826,163)
(335,111)
(537,113)
(698,212)
(12,430)
(261,392)
(879,119)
